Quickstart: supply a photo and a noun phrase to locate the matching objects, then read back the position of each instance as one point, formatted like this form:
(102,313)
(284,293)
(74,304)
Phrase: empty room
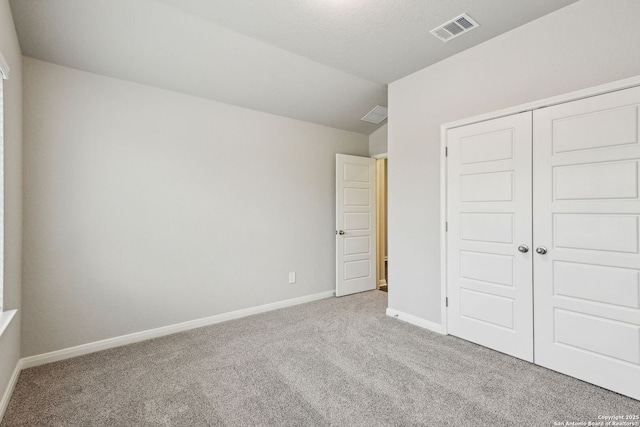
(320,213)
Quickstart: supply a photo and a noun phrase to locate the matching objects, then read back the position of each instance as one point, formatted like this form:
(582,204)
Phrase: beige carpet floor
(335,362)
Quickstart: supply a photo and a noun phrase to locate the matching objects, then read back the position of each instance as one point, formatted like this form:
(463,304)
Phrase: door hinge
(446,301)
(446,151)
(446,226)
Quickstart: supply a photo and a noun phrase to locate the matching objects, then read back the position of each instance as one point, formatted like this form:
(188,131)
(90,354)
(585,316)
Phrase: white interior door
(489,218)
(355,224)
(587,213)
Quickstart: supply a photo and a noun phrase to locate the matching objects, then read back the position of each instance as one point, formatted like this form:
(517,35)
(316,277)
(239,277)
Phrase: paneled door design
(489,236)
(587,235)
(355,224)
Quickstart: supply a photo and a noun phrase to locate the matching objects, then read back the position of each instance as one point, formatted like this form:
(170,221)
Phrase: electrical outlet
(292,277)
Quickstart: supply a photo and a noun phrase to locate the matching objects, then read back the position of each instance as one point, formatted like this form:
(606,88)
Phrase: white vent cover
(457,26)
(377,115)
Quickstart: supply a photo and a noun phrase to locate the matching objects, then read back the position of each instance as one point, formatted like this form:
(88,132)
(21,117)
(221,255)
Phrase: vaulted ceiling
(322,61)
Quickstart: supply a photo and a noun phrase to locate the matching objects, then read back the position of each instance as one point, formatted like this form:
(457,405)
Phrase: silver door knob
(341,232)
(523,248)
(541,250)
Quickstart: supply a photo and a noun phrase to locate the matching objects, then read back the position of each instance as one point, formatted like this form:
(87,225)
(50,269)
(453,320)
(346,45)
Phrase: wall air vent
(457,26)
(377,115)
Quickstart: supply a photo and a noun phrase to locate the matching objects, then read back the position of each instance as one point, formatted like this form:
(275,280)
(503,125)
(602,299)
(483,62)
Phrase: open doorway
(381,226)
(361,224)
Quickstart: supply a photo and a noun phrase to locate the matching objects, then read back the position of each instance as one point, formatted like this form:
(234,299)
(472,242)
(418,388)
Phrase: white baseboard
(4,403)
(67,353)
(415,320)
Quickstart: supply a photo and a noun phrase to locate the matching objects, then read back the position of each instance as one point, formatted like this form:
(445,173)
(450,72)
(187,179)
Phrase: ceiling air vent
(377,115)
(455,27)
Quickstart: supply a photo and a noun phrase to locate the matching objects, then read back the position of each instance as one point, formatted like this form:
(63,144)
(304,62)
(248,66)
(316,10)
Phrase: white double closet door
(543,242)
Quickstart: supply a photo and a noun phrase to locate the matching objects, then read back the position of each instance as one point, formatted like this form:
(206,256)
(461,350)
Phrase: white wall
(145,208)
(558,53)
(10,340)
(378,141)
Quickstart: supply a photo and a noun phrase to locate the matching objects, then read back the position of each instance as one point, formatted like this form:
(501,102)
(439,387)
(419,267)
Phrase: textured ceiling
(323,61)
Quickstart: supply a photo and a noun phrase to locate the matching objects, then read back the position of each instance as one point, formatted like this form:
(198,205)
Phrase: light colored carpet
(335,362)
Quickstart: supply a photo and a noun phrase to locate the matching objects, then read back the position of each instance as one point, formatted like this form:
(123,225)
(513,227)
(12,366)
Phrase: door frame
(444,128)
(379,259)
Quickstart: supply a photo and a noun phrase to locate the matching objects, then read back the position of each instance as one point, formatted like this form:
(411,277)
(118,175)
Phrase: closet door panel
(586,202)
(489,216)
